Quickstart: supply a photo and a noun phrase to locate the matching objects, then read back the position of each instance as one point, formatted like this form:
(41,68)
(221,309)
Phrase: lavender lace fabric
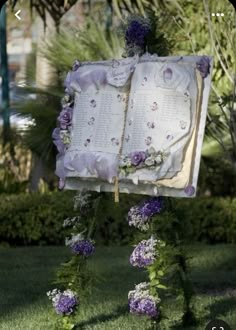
(96,164)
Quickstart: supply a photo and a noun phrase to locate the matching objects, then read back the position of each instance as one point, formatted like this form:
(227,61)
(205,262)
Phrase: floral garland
(145,300)
(163,260)
(73,275)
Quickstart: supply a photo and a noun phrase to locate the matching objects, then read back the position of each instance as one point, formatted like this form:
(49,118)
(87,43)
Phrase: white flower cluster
(138,219)
(154,158)
(81,200)
(142,291)
(71,222)
(74,239)
(54,294)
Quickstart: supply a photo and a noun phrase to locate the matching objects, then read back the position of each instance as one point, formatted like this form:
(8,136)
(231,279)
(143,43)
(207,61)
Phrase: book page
(157,117)
(160,119)
(98,121)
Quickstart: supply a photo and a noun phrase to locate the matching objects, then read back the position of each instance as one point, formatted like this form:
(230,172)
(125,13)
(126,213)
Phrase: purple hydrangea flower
(137,33)
(144,253)
(141,302)
(58,141)
(203,65)
(139,216)
(83,247)
(63,302)
(137,157)
(144,306)
(152,207)
(65,118)
(80,245)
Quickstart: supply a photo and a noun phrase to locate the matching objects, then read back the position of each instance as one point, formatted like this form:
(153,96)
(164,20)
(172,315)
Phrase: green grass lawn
(26,275)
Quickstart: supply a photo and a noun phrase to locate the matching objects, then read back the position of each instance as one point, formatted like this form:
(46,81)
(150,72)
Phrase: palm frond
(42,114)
(91,43)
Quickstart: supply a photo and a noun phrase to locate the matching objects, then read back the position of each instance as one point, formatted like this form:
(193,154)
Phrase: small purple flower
(143,306)
(83,247)
(152,206)
(65,118)
(58,141)
(64,302)
(203,65)
(137,157)
(142,302)
(144,253)
(137,33)
(76,65)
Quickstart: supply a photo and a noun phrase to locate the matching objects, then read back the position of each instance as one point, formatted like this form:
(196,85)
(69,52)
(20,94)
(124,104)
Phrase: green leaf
(160,273)
(152,275)
(161,286)
(155,282)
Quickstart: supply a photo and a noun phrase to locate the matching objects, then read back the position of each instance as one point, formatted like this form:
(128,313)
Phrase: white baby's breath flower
(68,222)
(82,199)
(74,239)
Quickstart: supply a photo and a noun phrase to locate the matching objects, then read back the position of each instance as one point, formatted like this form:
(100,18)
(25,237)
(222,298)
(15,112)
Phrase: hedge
(34,218)
(30,219)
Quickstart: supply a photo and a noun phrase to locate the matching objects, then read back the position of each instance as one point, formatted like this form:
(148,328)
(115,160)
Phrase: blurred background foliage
(190,29)
(36,219)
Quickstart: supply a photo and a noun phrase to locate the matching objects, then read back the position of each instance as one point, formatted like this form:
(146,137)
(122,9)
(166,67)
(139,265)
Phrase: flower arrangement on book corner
(149,159)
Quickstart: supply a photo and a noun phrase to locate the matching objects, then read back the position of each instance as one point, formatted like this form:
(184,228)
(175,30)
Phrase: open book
(137,122)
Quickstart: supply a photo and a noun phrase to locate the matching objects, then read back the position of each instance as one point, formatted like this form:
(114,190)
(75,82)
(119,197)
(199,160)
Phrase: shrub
(203,219)
(30,219)
(34,218)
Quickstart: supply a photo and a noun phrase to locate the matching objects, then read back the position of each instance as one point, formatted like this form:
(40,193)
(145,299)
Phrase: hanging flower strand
(144,300)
